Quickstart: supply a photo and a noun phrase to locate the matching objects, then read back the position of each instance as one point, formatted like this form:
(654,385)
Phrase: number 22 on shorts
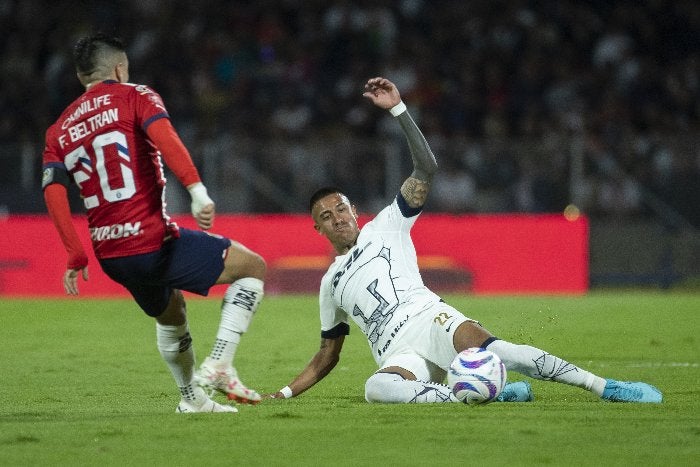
(442,318)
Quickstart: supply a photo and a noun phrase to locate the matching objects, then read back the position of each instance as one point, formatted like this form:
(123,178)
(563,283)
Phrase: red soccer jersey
(101,141)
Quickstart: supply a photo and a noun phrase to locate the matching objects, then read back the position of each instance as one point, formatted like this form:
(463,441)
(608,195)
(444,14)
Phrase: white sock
(240,302)
(224,350)
(392,388)
(193,394)
(175,346)
(538,364)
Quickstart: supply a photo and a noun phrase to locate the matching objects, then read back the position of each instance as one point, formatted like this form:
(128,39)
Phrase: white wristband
(398,109)
(286,392)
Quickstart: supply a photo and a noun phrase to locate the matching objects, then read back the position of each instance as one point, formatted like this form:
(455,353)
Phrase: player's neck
(95,82)
(343,249)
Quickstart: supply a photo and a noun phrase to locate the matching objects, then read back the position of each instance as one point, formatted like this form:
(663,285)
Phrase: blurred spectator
(510,87)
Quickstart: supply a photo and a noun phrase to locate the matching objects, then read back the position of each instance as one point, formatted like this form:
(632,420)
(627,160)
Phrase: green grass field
(83,384)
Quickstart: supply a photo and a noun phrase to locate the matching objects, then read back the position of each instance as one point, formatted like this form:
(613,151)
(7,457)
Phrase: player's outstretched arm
(323,362)
(384,94)
(416,187)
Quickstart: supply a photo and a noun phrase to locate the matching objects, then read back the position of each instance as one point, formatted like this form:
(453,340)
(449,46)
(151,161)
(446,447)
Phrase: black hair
(87,49)
(322,193)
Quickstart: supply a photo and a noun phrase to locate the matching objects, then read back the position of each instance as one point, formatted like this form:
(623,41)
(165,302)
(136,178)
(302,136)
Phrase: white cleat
(205,407)
(223,378)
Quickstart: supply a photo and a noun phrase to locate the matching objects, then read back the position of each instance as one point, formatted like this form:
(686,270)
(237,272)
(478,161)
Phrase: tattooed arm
(383,93)
(415,187)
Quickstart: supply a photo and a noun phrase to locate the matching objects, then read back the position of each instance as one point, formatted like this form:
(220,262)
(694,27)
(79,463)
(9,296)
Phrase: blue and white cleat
(626,391)
(520,391)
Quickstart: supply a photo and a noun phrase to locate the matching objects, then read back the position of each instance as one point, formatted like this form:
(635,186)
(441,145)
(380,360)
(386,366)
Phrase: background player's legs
(245,271)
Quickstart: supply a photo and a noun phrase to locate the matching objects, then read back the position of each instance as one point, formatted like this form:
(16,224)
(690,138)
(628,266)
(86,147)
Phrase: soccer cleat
(520,391)
(207,406)
(214,377)
(626,391)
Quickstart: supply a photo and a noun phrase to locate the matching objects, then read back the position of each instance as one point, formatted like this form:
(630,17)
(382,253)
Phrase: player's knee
(175,312)
(252,265)
(378,388)
(373,388)
(243,262)
(259,266)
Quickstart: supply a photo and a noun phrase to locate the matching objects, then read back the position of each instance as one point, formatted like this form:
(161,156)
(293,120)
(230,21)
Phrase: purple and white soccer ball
(476,376)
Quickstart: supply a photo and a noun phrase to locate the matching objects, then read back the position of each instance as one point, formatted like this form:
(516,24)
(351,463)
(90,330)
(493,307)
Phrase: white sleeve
(392,218)
(331,316)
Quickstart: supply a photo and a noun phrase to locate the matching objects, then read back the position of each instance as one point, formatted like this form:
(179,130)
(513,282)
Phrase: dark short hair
(322,193)
(87,48)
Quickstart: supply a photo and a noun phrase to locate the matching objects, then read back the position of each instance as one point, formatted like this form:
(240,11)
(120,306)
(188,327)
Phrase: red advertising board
(480,254)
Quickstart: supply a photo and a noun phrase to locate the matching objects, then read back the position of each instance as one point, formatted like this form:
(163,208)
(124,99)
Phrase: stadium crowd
(528,105)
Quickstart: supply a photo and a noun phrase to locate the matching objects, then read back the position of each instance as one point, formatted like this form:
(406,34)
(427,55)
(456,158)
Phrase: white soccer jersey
(377,283)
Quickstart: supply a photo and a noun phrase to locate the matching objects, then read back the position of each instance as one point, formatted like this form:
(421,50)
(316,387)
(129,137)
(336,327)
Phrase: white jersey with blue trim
(377,283)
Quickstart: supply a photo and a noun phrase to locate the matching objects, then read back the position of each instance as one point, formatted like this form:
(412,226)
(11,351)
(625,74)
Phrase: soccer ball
(476,376)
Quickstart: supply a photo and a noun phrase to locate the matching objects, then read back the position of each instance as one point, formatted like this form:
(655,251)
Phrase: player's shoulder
(393,217)
(330,271)
(389,213)
(51,130)
(141,89)
(146,95)
(70,113)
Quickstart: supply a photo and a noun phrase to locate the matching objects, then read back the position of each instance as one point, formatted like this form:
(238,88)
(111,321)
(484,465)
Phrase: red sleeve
(56,199)
(174,152)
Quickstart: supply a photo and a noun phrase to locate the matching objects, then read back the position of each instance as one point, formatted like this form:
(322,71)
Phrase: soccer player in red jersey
(112,142)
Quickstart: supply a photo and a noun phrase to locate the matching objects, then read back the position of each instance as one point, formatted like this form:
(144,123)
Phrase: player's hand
(275,395)
(202,206)
(382,93)
(70,279)
(205,217)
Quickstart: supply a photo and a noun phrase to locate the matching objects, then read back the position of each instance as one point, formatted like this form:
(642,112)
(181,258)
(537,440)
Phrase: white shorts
(426,347)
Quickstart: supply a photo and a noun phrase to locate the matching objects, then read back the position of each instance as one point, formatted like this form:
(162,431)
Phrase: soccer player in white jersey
(412,333)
